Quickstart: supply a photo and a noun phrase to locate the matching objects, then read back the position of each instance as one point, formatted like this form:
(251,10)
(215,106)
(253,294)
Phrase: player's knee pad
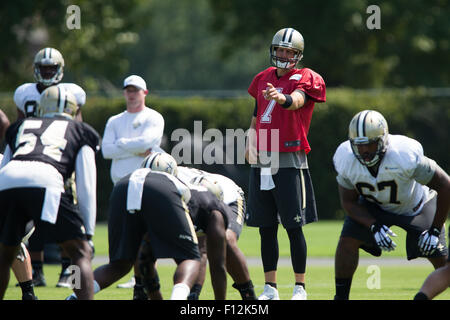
(22,255)
(29,229)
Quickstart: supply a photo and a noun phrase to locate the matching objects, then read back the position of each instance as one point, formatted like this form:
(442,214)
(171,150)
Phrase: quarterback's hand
(382,235)
(271,93)
(428,241)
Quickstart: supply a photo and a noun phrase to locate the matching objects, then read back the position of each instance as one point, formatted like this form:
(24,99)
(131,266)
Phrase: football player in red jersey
(280,188)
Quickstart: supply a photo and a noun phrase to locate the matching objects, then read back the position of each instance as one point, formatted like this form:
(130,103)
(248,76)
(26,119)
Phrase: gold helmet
(48,66)
(209,183)
(159,161)
(56,100)
(287,38)
(366,127)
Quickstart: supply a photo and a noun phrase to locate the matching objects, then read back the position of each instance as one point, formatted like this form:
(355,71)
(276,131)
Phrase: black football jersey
(200,206)
(55,141)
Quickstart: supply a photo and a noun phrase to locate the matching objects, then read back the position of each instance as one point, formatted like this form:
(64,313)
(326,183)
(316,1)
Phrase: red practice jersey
(292,125)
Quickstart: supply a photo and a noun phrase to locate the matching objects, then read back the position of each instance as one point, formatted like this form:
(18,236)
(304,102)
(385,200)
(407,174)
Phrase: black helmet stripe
(145,165)
(62,99)
(364,124)
(287,35)
(284,35)
(361,124)
(59,97)
(151,162)
(290,36)
(65,101)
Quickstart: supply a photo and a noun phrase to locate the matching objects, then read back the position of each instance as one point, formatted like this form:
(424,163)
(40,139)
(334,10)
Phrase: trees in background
(221,44)
(411,48)
(93,52)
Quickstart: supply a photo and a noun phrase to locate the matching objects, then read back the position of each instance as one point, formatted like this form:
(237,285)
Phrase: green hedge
(413,112)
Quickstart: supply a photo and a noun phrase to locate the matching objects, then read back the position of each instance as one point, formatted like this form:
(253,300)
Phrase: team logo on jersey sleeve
(296,77)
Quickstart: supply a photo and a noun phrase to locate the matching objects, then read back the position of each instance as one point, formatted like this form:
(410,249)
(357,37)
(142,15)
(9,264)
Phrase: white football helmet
(366,127)
(48,66)
(56,100)
(159,161)
(209,183)
(287,38)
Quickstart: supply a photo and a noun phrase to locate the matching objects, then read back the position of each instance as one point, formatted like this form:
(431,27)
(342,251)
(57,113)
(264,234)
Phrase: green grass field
(321,238)
(397,282)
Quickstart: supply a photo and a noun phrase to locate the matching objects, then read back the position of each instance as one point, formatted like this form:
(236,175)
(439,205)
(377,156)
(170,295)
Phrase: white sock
(96,287)
(180,291)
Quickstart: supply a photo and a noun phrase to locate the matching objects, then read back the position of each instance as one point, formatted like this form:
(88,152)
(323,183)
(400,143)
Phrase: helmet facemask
(284,63)
(374,157)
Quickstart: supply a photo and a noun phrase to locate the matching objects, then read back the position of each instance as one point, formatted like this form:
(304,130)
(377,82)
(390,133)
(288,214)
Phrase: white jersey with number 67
(400,185)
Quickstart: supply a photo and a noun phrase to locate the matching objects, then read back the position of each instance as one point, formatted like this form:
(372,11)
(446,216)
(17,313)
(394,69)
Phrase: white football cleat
(127,285)
(269,293)
(299,293)
(64,279)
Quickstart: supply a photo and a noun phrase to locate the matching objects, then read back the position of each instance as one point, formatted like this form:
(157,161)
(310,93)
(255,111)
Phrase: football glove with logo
(382,236)
(428,241)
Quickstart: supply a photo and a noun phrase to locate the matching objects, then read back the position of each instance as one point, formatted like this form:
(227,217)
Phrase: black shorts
(43,236)
(413,225)
(236,216)
(20,205)
(163,215)
(292,200)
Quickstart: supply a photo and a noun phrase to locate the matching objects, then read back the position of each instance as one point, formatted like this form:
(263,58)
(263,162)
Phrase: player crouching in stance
(210,220)
(386,180)
(41,154)
(152,202)
(232,196)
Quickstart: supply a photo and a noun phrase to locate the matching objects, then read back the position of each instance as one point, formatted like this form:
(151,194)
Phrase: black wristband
(288,101)
(375,227)
(435,231)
